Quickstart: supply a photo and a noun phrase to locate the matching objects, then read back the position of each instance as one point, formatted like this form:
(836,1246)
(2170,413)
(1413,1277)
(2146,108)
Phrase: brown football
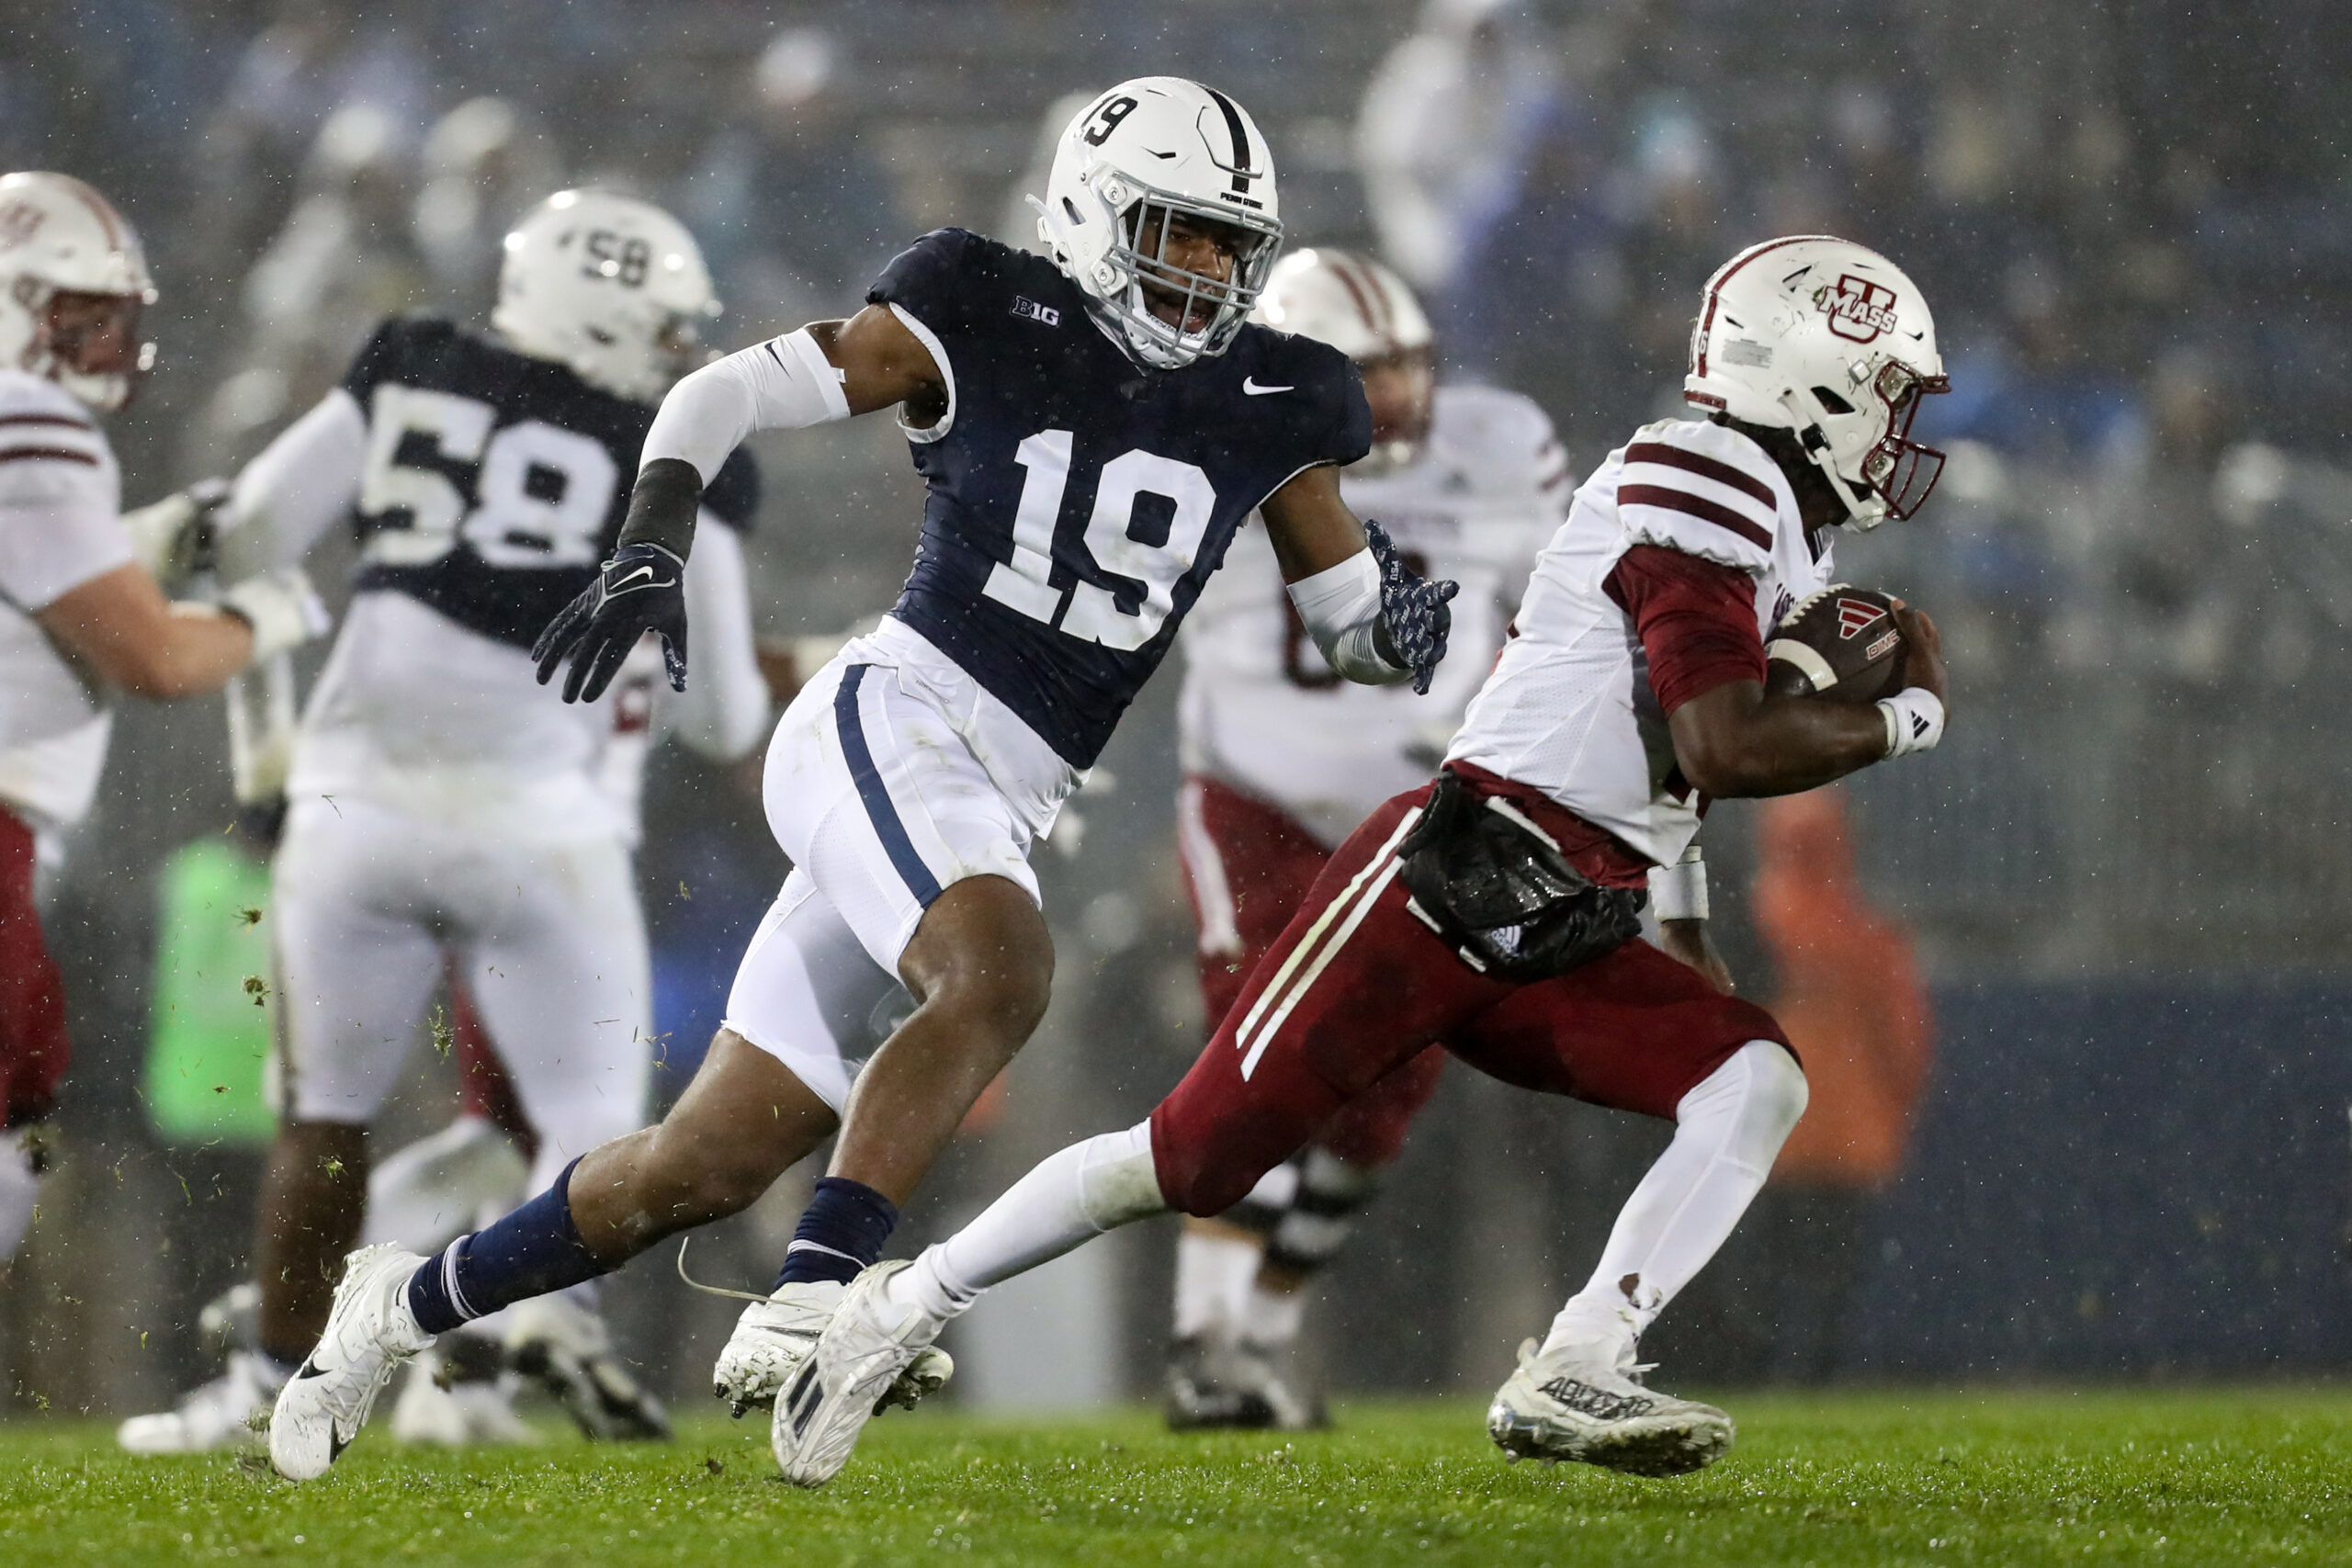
(1841,643)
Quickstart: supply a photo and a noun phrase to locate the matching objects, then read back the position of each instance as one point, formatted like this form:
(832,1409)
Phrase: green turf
(2228,1476)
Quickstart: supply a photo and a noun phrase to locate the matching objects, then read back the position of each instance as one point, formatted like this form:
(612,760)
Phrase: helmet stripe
(1242,172)
(1380,293)
(1715,285)
(1340,270)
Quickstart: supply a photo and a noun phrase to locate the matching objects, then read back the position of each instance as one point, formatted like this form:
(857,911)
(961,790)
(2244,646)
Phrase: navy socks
(841,1234)
(531,1251)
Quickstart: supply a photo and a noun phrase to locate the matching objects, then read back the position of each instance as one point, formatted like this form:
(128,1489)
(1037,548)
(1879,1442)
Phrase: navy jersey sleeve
(1346,416)
(391,352)
(931,279)
(734,496)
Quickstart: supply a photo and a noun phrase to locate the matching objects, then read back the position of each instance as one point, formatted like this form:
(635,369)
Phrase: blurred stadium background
(2123,875)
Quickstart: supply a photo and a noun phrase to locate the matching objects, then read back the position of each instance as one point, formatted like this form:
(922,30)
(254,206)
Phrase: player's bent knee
(1780,1092)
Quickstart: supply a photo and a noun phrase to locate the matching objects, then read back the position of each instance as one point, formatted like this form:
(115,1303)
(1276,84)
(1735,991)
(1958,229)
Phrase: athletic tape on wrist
(1915,720)
(1679,892)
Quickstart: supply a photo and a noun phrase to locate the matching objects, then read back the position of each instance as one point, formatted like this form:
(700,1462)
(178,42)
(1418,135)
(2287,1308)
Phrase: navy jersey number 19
(1093,612)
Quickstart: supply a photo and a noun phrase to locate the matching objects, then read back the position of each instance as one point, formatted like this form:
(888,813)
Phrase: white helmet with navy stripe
(73,282)
(1832,341)
(1134,159)
(613,286)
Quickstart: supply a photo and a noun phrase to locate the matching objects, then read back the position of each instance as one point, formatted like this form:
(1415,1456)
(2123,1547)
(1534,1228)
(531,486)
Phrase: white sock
(1271,1318)
(1069,1199)
(1214,1271)
(1727,1131)
(20,1195)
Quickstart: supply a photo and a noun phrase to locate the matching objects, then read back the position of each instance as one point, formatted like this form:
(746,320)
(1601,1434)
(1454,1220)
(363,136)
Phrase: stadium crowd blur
(2129,215)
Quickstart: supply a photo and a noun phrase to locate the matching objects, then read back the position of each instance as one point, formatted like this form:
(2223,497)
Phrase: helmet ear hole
(1832,401)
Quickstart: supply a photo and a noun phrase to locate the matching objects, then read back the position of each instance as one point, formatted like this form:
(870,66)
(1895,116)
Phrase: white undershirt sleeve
(723,712)
(1340,605)
(303,480)
(785,383)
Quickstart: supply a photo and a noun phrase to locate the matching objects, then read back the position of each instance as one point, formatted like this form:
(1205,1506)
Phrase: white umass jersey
(1262,712)
(61,498)
(1569,709)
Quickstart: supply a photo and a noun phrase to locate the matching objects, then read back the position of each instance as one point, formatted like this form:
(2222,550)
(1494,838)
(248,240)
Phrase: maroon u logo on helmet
(1859,310)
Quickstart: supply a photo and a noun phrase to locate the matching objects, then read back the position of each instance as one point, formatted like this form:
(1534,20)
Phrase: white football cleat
(1585,1402)
(773,1338)
(226,1413)
(459,1413)
(370,1332)
(844,1382)
(568,1350)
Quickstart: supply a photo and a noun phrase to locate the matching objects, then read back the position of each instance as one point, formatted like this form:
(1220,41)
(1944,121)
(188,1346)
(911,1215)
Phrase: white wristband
(1915,720)
(1340,608)
(1679,892)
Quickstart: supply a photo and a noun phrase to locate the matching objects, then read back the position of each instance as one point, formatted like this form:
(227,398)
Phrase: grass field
(2228,1476)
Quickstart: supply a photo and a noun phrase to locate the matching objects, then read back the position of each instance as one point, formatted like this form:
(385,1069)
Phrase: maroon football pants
(1356,987)
(1249,866)
(34,1047)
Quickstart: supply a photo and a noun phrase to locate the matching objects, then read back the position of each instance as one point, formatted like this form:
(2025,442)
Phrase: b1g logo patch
(1859,310)
(19,221)
(1855,618)
(1029,309)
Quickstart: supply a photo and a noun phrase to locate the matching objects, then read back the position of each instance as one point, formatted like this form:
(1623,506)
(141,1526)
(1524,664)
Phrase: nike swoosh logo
(1249,388)
(311,1368)
(622,585)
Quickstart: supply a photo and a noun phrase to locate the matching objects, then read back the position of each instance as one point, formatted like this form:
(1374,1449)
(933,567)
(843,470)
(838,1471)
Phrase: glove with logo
(1414,619)
(642,589)
(177,537)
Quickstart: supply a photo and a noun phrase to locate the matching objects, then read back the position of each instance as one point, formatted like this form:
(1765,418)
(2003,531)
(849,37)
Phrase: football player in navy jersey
(1092,425)
(441,808)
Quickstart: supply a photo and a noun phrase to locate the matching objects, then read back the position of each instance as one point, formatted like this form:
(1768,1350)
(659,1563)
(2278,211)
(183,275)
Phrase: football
(1841,643)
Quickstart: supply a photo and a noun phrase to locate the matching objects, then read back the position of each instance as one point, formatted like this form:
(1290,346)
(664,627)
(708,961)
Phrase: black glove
(1410,633)
(642,589)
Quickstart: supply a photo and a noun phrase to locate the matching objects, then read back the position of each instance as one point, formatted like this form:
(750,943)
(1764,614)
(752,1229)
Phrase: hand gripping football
(1841,643)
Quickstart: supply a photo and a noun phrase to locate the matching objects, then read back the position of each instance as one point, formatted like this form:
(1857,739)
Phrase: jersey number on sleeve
(1150,548)
(531,495)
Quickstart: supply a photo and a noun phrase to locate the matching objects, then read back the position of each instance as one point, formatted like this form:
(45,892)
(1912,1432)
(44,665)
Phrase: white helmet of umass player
(73,282)
(1365,311)
(1133,167)
(1831,340)
(612,287)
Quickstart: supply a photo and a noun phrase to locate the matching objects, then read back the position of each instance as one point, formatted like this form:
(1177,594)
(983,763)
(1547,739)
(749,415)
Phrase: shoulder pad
(393,344)
(1704,489)
(50,446)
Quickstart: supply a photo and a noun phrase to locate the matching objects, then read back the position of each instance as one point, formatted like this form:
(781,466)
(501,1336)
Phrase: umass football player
(1092,426)
(1282,759)
(1493,912)
(443,810)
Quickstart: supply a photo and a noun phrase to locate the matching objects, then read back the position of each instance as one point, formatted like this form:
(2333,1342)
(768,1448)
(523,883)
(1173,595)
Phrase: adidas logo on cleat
(1598,1404)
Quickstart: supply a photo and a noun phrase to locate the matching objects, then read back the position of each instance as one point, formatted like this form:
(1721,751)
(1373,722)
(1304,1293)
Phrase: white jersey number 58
(536,496)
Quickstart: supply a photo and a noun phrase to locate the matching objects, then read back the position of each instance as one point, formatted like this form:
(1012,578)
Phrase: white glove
(283,609)
(174,538)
